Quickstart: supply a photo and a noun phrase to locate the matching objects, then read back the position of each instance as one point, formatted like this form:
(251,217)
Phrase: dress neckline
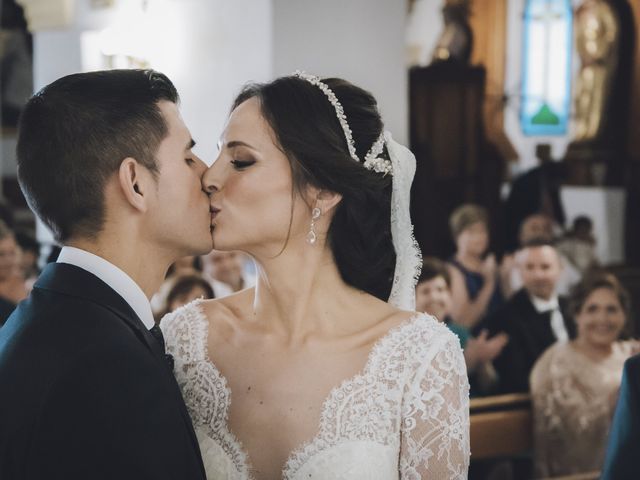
(300,454)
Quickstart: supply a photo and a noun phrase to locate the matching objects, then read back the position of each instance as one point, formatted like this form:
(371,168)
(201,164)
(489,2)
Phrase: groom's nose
(210,183)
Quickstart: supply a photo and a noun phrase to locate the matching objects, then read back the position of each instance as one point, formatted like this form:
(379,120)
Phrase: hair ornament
(372,160)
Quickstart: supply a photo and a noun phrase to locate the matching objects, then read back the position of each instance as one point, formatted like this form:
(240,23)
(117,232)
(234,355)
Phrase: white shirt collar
(545,305)
(118,280)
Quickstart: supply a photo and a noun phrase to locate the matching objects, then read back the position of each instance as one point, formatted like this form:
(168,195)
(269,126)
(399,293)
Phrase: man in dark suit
(534,317)
(105,160)
(623,449)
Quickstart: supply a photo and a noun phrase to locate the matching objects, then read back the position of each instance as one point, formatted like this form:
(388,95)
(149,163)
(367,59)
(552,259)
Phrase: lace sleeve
(435,417)
(184,333)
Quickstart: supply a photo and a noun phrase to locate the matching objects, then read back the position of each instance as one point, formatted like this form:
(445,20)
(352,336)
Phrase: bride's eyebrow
(239,143)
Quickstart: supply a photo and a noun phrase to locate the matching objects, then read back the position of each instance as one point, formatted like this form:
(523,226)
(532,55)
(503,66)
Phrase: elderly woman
(574,384)
(474,278)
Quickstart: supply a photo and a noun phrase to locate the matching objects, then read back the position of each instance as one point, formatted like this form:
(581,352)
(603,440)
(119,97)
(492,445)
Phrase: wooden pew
(578,476)
(501,426)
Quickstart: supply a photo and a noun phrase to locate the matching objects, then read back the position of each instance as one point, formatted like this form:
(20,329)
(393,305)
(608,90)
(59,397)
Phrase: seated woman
(474,278)
(433,296)
(179,290)
(12,283)
(574,385)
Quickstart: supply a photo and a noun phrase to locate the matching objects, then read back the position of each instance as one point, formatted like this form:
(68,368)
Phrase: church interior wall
(360,40)
(210,48)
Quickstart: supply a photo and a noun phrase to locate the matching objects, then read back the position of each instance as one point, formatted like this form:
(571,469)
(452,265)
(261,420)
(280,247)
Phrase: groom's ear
(133,180)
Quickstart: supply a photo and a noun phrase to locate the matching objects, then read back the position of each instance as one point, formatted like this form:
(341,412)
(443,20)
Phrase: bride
(321,371)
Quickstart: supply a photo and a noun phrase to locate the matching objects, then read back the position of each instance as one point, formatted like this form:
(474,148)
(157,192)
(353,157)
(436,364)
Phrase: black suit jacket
(86,391)
(530,334)
(623,449)
(6,307)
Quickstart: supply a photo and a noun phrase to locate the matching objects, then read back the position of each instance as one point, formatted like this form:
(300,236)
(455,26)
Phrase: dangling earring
(311,236)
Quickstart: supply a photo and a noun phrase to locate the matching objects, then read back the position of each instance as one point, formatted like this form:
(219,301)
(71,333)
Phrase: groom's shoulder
(49,330)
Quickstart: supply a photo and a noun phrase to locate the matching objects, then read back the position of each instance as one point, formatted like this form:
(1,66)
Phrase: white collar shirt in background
(557,321)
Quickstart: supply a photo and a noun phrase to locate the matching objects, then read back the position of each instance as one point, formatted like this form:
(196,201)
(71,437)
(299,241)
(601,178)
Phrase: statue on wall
(605,41)
(456,41)
(597,42)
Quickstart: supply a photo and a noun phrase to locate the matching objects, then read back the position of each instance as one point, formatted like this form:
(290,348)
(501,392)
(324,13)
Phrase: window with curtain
(546,67)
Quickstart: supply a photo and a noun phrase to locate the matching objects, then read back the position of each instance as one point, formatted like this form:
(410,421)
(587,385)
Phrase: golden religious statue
(597,41)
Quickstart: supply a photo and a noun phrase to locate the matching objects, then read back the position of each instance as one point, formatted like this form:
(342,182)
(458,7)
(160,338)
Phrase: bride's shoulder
(424,335)
(185,324)
(420,326)
(201,320)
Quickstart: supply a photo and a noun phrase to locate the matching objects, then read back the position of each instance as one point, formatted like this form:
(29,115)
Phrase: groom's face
(179,216)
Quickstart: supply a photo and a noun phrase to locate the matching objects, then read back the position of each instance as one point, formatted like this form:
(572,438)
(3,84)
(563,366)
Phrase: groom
(86,391)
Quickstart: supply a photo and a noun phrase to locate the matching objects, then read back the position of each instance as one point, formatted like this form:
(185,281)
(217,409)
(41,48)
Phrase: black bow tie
(157,334)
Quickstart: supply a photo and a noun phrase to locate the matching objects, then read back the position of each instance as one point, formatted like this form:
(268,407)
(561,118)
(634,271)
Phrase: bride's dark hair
(309,133)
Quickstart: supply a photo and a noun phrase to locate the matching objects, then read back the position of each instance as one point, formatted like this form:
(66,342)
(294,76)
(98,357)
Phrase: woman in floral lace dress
(574,385)
(323,370)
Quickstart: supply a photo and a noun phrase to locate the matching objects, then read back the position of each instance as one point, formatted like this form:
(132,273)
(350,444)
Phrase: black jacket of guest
(6,307)
(530,334)
(623,449)
(86,390)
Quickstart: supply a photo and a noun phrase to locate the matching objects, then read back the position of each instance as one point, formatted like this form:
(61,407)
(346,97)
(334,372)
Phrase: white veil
(408,256)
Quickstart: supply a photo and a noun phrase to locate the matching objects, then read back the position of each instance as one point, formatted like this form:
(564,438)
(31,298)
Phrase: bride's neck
(301,293)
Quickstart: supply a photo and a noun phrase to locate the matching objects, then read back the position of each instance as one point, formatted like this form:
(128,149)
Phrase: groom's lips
(214,213)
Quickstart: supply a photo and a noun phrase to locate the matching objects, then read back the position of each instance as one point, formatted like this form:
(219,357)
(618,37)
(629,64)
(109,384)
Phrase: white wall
(209,48)
(424,27)
(362,41)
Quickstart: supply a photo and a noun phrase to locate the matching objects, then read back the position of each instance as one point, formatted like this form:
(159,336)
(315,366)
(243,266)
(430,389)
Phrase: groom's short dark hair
(74,134)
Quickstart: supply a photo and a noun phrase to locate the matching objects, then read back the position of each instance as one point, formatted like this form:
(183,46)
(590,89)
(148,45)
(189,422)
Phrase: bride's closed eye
(242,164)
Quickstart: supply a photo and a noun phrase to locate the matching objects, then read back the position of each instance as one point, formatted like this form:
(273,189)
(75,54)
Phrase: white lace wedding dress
(406,415)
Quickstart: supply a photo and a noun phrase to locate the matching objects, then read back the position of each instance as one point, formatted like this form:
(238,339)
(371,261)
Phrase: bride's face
(251,188)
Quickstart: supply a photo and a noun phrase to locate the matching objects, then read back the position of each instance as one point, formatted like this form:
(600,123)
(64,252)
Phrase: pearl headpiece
(372,160)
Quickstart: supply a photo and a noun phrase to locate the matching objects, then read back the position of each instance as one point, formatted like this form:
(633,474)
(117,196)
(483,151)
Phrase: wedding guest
(535,227)
(537,190)
(188,265)
(534,317)
(12,284)
(574,384)
(225,271)
(474,282)
(182,289)
(29,253)
(579,245)
(185,265)
(433,296)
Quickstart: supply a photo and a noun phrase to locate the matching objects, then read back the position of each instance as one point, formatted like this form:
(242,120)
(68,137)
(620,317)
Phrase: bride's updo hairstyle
(309,134)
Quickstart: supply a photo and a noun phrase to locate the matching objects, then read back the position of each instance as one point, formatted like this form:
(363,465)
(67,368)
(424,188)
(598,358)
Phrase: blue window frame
(546,67)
